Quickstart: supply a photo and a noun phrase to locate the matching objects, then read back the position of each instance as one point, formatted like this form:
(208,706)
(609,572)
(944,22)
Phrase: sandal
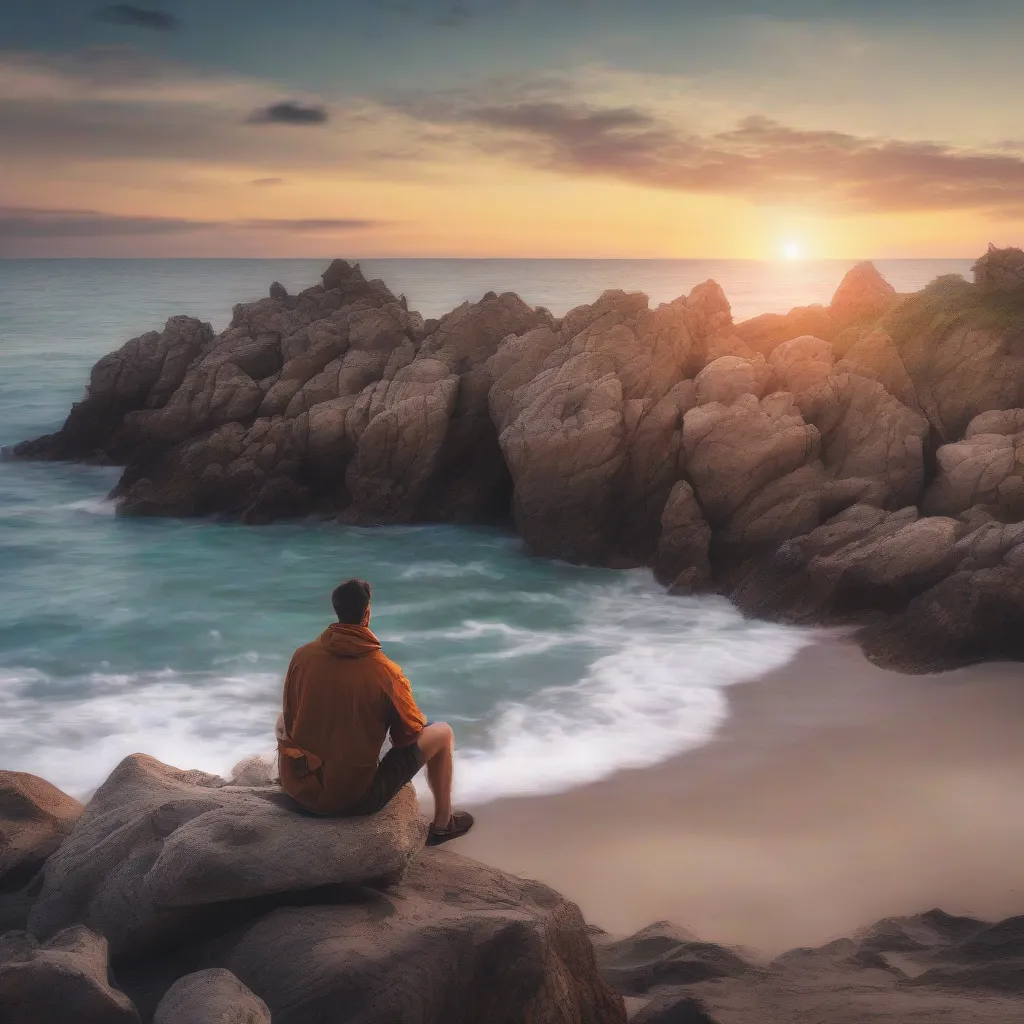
(461,822)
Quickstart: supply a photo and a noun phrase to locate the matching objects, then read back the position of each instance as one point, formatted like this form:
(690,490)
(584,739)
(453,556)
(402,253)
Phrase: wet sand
(836,794)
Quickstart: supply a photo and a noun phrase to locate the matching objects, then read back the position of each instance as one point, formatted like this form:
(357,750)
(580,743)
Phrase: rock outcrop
(143,374)
(1000,270)
(450,940)
(931,967)
(681,562)
(963,347)
(985,470)
(222,903)
(617,435)
(35,818)
(159,850)
(598,407)
(936,591)
(864,296)
(456,941)
(213,996)
(61,981)
(664,954)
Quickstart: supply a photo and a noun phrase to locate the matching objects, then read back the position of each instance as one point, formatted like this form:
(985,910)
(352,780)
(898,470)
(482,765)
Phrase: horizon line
(523,259)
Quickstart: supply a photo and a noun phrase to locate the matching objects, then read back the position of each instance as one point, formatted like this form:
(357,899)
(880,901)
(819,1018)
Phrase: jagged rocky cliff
(858,462)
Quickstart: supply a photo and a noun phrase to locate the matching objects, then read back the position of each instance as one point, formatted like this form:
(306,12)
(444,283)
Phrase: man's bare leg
(437,744)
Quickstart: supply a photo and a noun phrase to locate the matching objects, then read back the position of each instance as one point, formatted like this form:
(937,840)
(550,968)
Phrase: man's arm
(406,719)
(285,719)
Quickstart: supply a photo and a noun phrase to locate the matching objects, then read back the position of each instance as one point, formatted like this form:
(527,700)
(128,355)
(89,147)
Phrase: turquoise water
(172,637)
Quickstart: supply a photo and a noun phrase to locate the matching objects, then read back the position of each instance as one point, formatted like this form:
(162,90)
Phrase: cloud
(29,222)
(759,159)
(266,182)
(451,15)
(117,106)
(289,112)
(34,222)
(454,16)
(138,17)
(313,224)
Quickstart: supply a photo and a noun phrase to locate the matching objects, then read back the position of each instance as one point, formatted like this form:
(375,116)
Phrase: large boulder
(335,402)
(589,420)
(674,1008)
(213,996)
(457,941)
(772,470)
(61,981)
(287,450)
(732,451)
(1000,270)
(766,332)
(159,851)
(875,356)
(862,296)
(930,932)
(986,961)
(970,616)
(985,469)
(757,472)
(861,560)
(143,374)
(931,967)
(724,379)
(868,436)
(35,818)
(664,954)
(963,347)
(801,363)
(166,403)
(250,473)
(411,425)
(681,562)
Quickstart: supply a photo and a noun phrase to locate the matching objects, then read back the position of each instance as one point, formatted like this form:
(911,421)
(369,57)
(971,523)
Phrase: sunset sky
(661,128)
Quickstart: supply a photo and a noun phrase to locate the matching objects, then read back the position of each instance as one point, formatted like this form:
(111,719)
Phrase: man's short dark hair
(350,600)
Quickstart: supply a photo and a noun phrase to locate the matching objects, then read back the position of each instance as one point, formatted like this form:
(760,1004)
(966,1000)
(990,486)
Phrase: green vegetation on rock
(951,302)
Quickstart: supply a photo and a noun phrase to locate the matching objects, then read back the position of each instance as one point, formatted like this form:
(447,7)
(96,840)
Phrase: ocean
(172,637)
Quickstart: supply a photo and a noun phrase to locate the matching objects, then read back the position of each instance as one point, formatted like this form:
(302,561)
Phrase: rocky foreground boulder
(61,980)
(928,968)
(35,818)
(311,932)
(158,850)
(802,449)
(213,996)
(183,898)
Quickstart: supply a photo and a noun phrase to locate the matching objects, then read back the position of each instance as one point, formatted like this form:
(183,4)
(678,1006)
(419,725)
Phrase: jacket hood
(346,641)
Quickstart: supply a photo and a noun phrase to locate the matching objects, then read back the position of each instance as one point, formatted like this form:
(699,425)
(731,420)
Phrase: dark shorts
(395,769)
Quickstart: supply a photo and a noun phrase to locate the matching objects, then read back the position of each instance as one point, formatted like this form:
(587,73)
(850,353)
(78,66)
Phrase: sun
(792,250)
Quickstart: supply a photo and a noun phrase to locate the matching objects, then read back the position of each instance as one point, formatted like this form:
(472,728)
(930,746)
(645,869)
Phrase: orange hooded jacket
(341,698)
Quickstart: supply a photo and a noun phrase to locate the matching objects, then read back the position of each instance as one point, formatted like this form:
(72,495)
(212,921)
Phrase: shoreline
(835,794)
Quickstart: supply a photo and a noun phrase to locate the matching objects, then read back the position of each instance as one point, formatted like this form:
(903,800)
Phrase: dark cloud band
(289,112)
(759,159)
(30,222)
(138,17)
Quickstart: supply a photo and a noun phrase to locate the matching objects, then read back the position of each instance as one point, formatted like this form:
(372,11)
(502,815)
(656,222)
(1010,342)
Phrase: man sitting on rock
(341,697)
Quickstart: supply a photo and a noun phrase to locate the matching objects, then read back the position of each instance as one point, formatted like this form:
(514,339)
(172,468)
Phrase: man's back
(341,696)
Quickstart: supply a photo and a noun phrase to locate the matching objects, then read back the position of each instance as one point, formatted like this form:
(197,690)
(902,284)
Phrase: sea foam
(653,686)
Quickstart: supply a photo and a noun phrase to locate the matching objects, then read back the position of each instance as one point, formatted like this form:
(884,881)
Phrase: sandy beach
(836,794)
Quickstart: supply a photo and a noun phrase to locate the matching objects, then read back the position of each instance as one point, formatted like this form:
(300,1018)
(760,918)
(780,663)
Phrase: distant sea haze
(172,637)
(208,287)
